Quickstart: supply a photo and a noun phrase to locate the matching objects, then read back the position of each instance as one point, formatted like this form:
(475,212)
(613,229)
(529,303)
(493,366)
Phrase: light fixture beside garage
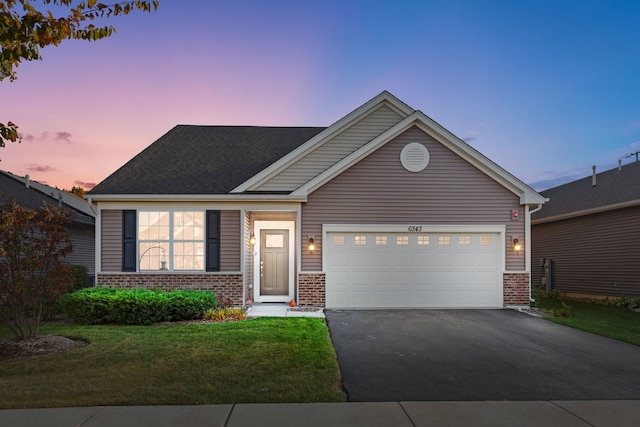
(516,246)
(312,246)
(414,157)
(252,240)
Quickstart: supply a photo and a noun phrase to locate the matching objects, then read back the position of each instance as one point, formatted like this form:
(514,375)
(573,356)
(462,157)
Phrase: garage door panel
(465,272)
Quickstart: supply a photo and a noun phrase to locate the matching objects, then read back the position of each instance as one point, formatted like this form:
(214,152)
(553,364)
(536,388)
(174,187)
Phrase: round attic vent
(414,157)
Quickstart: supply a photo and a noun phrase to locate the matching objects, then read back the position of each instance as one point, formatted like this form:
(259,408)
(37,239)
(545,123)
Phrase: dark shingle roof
(37,195)
(612,187)
(204,159)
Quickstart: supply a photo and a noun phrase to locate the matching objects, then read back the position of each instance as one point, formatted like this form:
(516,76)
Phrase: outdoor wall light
(252,240)
(516,246)
(312,246)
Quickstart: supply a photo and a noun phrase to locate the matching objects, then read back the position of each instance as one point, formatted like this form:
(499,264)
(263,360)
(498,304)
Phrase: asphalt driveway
(454,355)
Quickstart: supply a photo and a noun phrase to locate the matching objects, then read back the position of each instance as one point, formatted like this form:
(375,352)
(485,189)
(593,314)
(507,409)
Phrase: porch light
(252,240)
(516,246)
(312,246)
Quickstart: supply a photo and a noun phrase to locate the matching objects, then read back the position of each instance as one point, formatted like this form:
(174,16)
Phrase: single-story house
(33,195)
(586,239)
(384,208)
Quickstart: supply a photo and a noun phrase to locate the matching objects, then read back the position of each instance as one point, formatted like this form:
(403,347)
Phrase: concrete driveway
(445,355)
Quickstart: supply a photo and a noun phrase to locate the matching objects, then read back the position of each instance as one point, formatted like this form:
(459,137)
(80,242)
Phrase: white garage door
(387,270)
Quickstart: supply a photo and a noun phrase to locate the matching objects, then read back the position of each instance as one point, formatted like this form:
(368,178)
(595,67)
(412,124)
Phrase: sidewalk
(450,414)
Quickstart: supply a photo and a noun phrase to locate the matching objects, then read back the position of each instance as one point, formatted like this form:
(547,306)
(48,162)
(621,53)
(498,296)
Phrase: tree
(33,244)
(24,30)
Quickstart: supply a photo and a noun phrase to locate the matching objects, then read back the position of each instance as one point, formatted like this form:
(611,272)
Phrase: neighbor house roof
(615,188)
(203,159)
(32,194)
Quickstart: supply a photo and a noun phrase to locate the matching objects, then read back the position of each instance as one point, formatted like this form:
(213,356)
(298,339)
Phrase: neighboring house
(33,195)
(589,234)
(384,208)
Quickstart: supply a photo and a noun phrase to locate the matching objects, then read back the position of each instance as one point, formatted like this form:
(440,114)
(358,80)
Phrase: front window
(171,240)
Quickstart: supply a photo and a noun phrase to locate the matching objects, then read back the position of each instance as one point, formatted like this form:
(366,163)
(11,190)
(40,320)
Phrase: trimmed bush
(95,306)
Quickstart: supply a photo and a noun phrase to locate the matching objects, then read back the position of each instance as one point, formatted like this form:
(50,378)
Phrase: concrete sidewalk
(478,414)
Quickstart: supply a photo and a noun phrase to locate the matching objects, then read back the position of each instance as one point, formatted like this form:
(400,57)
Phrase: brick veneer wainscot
(226,286)
(311,289)
(515,288)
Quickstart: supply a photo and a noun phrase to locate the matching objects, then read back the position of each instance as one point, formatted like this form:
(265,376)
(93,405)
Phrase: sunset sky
(546,89)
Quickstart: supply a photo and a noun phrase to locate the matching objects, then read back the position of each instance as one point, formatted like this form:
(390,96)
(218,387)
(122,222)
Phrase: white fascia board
(527,194)
(324,136)
(584,212)
(226,198)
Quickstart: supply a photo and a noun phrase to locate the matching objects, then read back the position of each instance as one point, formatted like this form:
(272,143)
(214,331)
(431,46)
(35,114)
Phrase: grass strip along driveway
(614,322)
(258,360)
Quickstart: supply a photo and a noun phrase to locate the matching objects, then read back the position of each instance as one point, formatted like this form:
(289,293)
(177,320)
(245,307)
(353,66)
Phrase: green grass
(619,323)
(259,360)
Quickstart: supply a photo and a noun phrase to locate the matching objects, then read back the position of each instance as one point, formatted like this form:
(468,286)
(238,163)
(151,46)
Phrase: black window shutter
(213,241)
(129,256)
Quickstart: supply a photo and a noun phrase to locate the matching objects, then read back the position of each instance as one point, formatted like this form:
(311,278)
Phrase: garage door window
(360,240)
(464,240)
(485,240)
(444,240)
(402,240)
(338,240)
(423,240)
(381,240)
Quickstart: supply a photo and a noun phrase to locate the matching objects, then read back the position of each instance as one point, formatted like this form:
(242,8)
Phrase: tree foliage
(33,273)
(25,29)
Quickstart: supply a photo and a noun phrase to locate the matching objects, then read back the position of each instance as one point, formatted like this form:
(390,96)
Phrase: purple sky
(546,89)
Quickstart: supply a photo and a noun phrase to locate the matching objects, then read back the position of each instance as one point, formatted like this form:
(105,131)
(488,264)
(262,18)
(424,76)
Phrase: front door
(274,263)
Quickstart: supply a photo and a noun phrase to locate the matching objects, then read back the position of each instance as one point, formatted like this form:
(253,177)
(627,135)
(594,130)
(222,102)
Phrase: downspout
(527,239)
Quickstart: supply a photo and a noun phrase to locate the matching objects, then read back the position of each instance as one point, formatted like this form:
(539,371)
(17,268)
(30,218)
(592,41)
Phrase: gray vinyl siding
(83,239)
(594,254)
(378,190)
(230,240)
(333,151)
(111,240)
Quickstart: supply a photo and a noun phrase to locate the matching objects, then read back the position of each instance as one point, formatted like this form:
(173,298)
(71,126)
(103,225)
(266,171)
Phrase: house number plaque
(415,228)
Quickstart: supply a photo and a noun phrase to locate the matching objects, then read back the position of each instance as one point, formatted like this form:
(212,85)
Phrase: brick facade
(515,289)
(226,286)
(311,289)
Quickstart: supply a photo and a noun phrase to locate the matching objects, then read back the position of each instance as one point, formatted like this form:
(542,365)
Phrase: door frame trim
(258,226)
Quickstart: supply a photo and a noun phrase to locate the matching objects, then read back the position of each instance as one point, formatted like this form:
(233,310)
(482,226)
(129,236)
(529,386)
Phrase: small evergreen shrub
(94,306)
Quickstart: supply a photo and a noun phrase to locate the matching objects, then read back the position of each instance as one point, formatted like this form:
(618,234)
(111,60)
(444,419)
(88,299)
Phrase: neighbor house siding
(333,151)
(111,240)
(593,254)
(230,241)
(84,247)
(378,190)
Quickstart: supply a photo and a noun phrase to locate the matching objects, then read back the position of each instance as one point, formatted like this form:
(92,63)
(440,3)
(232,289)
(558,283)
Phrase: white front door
(274,261)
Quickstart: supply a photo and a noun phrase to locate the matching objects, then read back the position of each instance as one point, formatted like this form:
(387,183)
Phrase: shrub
(93,306)
(224,314)
(190,305)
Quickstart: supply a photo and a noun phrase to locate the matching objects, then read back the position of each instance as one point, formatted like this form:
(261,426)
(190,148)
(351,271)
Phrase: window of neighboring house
(171,240)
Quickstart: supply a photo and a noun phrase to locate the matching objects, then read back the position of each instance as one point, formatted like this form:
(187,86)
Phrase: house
(384,208)
(33,195)
(586,239)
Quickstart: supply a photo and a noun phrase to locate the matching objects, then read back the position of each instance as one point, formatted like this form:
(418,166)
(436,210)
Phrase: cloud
(63,136)
(41,168)
(84,185)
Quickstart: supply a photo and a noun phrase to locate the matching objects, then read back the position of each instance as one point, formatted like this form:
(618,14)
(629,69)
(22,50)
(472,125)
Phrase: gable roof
(33,195)
(615,188)
(203,159)
(237,161)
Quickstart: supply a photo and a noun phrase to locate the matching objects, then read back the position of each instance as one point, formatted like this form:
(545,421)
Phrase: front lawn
(614,322)
(258,360)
